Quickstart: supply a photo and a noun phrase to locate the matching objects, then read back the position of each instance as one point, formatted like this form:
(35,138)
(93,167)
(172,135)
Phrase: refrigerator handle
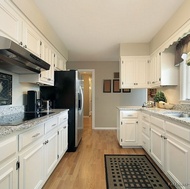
(81,98)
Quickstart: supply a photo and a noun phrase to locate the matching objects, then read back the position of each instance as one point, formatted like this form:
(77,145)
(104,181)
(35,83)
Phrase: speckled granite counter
(164,113)
(7,130)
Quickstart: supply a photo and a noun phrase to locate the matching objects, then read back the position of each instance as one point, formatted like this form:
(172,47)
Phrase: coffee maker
(33,104)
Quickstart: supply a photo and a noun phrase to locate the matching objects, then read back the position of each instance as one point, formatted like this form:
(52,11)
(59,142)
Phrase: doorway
(89,94)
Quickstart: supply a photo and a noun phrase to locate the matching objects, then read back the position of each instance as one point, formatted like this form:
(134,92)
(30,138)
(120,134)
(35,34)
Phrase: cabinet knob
(25,46)
(21,43)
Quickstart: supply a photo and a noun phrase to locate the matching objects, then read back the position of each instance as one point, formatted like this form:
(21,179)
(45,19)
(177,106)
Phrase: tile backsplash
(6,110)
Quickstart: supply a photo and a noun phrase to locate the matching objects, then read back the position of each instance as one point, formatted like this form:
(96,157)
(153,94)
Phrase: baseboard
(105,128)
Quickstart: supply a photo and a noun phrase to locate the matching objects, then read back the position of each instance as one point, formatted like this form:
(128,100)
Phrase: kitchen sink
(178,114)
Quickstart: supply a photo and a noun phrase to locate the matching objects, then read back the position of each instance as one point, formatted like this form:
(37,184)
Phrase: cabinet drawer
(178,130)
(146,143)
(145,117)
(62,118)
(157,122)
(129,114)
(8,148)
(30,136)
(146,128)
(50,124)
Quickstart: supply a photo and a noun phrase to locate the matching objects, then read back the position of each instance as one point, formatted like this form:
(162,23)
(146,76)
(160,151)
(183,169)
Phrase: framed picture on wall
(107,85)
(126,90)
(116,88)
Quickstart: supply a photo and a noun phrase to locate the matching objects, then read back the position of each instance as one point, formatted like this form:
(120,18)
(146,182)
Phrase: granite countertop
(7,130)
(164,113)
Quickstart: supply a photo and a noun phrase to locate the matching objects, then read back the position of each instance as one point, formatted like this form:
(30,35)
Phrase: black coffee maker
(33,104)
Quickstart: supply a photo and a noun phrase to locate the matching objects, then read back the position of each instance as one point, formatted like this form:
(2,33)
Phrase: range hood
(17,59)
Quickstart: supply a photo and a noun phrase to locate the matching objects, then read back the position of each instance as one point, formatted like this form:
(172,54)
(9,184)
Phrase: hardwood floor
(84,169)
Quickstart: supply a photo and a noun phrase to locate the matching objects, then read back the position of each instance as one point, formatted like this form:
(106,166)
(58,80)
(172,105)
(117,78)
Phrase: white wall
(19,90)
(106,103)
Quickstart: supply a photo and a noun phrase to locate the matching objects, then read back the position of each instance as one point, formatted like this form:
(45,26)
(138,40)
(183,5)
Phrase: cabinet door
(31,39)
(50,153)
(129,132)
(141,72)
(133,72)
(60,63)
(62,140)
(155,70)
(48,55)
(178,161)
(9,175)
(157,145)
(10,22)
(127,72)
(31,172)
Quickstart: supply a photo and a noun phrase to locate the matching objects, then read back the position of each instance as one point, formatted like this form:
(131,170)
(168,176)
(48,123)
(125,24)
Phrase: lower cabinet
(8,163)
(177,142)
(127,128)
(170,149)
(31,171)
(40,150)
(157,134)
(50,155)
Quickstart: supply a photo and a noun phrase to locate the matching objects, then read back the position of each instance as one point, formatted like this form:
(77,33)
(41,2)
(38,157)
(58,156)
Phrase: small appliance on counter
(46,105)
(33,104)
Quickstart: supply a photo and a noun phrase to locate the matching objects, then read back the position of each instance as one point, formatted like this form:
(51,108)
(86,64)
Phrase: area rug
(132,172)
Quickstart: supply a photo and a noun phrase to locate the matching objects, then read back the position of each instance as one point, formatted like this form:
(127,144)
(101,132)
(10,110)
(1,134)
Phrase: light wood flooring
(84,169)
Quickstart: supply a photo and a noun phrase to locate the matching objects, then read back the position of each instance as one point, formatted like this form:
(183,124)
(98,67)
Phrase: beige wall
(34,15)
(106,103)
(181,16)
(134,49)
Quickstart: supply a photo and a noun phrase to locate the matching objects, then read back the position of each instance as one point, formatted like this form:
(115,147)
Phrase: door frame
(91,71)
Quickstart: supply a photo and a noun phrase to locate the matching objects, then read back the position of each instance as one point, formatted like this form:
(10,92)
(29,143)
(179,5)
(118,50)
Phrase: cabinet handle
(53,125)
(37,134)
(137,122)
(64,127)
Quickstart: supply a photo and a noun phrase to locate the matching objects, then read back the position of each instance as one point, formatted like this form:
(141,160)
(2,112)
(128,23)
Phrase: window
(184,80)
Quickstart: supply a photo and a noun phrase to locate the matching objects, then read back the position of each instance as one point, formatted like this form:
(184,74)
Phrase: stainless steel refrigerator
(67,93)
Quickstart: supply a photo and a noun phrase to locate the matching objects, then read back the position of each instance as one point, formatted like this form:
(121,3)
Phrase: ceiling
(93,29)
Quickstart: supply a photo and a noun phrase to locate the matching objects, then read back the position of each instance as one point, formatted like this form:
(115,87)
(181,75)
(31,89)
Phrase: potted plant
(160,96)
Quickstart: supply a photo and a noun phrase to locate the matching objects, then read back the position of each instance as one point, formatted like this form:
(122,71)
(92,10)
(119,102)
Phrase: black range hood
(17,59)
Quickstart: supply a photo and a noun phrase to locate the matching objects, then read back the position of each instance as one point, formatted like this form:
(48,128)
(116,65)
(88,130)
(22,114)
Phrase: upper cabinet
(134,71)
(19,29)
(162,71)
(10,22)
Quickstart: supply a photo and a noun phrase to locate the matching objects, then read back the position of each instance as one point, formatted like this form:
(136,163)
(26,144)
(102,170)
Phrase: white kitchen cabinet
(60,62)
(50,157)
(31,39)
(162,71)
(8,162)
(10,22)
(31,171)
(31,158)
(177,154)
(154,70)
(127,129)
(134,71)
(48,55)
(145,138)
(62,134)
(157,146)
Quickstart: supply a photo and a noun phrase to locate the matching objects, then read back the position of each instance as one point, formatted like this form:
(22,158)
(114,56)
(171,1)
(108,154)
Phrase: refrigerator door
(80,112)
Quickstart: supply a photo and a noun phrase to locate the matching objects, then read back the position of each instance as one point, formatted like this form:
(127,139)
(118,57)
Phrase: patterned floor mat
(132,172)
